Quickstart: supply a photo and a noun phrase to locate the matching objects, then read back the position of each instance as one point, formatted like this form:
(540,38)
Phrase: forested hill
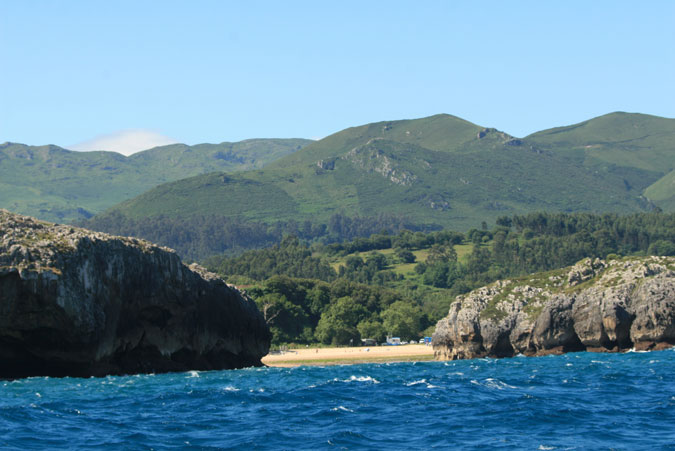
(403,283)
(430,173)
(56,184)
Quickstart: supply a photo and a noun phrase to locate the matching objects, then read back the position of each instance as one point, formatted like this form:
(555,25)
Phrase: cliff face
(81,303)
(595,305)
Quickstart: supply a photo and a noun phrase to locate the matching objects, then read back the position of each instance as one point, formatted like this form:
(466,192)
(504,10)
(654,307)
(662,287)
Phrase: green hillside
(56,184)
(662,192)
(438,170)
(638,147)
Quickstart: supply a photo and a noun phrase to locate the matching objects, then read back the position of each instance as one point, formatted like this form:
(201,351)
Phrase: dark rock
(514,142)
(328,165)
(81,303)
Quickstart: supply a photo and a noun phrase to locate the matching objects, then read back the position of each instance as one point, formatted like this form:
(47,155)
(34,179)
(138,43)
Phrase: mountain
(56,184)
(637,147)
(439,170)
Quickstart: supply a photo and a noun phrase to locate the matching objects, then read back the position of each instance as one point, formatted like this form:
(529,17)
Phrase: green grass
(663,191)
(636,147)
(405,269)
(59,185)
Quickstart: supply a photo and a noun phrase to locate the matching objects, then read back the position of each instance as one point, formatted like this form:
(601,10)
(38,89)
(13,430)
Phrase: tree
(405,255)
(371,329)
(436,275)
(287,321)
(441,254)
(337,325)
(402,319)
(662,247)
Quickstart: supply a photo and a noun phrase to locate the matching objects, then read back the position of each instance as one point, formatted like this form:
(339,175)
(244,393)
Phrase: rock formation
(81,303)
(595,305)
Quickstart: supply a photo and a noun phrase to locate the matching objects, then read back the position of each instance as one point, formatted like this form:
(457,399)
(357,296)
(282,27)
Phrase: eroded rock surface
(595,305)
(81,303)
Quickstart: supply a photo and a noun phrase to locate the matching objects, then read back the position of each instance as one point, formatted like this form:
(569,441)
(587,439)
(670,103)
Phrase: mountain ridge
(62,185)
(441,163)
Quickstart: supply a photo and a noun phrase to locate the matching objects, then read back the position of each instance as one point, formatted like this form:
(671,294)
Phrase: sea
(572,401)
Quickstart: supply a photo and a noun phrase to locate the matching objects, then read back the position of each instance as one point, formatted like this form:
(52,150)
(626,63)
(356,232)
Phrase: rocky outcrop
(81,303)
(595,305)
(373,159)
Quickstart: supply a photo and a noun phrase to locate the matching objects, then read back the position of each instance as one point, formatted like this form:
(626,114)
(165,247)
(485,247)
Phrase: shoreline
(349,355)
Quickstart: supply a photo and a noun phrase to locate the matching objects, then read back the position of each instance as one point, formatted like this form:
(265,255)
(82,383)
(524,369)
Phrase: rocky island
(80,303)
(596,305)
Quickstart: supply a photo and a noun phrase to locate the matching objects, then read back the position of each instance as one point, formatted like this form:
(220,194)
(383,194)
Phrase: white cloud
(125,142)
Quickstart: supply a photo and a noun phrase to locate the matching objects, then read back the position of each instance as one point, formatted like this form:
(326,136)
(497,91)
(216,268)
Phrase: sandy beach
(342,356)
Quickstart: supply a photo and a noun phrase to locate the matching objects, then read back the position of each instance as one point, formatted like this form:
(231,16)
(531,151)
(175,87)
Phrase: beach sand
(343,356)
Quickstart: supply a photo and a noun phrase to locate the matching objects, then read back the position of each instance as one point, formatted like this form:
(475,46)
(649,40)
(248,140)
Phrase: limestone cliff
(595,305)
(81,303)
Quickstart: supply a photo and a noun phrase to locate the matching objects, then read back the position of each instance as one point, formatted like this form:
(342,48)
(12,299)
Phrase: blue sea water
(573,401)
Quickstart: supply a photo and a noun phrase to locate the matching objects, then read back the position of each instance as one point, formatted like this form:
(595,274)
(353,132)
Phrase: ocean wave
(361,379)
(395,406)
(493,383)
(341,408)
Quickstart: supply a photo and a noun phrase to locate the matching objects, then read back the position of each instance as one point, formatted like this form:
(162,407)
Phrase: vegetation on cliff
(597,305)
(81,303)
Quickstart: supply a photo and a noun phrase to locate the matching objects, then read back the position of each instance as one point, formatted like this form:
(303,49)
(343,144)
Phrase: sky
(125,74)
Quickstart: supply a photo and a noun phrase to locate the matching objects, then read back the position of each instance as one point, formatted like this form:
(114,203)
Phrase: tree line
(201,236)
(306,300)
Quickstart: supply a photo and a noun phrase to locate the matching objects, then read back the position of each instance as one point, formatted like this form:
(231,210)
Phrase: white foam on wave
(230,388)
(493,383)
(192,374)
(341,408)
(496,383)
(421,381)
(546,448)
(633,350)
(361,379)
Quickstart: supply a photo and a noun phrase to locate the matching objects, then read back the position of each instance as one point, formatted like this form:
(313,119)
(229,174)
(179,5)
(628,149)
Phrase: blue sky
(212,71)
